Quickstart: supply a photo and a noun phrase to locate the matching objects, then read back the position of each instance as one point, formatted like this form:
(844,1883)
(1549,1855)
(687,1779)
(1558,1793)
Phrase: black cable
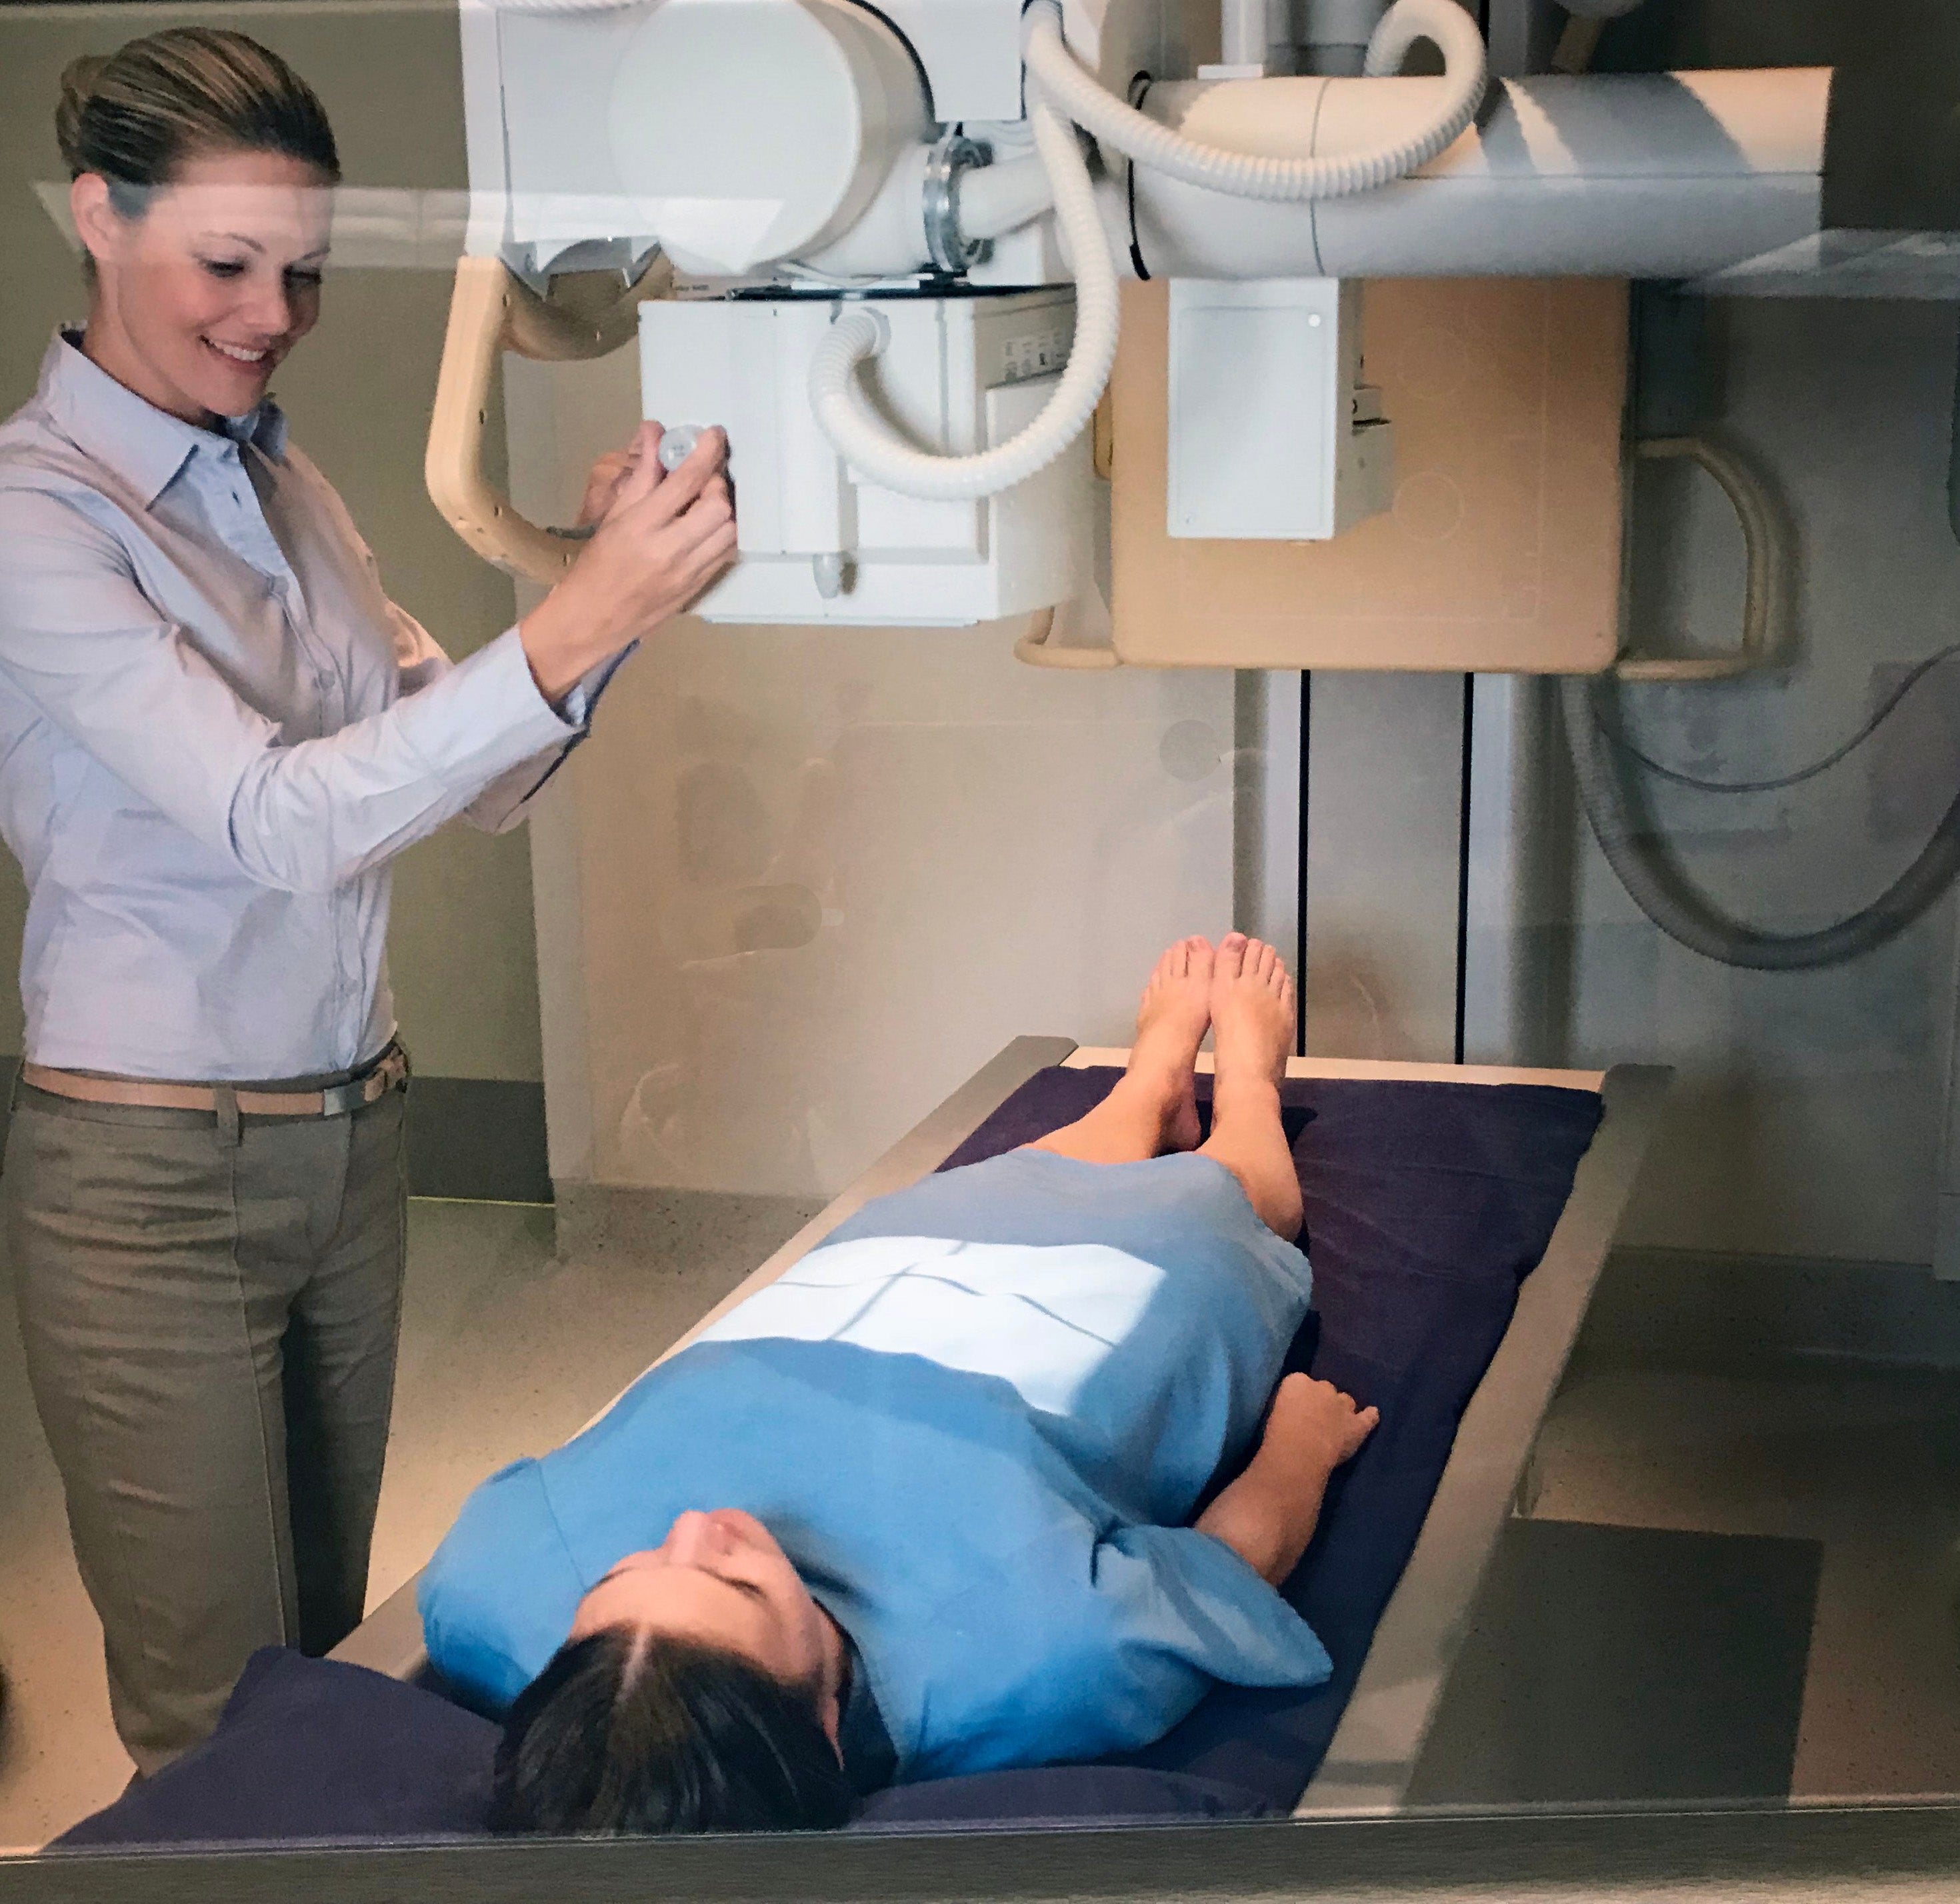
(1887,708)
(1306,824)
(1463,868)
(1953,463)
(1140,85)
(1658,885)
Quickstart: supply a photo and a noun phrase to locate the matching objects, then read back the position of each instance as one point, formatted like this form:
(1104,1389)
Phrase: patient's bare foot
(1251,1011)
(1171,1024)
(1252,1021)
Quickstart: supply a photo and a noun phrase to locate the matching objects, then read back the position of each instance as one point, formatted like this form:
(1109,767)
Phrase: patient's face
(718,1578)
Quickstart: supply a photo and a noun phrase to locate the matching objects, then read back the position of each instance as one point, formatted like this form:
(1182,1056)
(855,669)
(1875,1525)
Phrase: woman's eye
(303,280)
(223,267)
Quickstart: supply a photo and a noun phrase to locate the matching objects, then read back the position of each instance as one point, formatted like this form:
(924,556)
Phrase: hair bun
(77,87)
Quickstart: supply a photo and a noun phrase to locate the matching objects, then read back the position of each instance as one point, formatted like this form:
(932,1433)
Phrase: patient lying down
(925,1504)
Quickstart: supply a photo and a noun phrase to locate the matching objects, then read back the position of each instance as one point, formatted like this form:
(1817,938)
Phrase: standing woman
(215,733)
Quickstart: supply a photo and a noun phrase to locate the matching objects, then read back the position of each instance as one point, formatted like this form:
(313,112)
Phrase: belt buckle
(390,1073)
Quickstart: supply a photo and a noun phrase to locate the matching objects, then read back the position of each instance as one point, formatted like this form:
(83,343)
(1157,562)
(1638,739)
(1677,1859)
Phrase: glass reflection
(986,1451)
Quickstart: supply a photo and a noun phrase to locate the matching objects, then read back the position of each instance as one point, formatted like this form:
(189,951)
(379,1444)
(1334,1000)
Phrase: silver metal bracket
(951,251)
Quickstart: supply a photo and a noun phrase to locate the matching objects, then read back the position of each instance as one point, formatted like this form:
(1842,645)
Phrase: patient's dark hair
(626,1732)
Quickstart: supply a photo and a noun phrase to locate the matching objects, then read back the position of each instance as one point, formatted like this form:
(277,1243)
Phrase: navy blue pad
(1057,1795)
(1426,1206)
(313,1748)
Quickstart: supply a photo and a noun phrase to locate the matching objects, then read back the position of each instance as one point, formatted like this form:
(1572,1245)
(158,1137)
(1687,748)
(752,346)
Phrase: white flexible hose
(1144,141)
(866,441)
(996,199)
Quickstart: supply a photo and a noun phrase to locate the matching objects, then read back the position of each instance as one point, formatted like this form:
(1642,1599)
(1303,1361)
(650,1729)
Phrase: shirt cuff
(577,706)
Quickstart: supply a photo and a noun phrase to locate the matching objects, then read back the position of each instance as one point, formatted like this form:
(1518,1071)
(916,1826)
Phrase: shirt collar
(863,1740)
(128,434)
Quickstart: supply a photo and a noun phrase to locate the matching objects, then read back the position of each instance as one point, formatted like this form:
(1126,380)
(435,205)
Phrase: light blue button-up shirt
(216,731)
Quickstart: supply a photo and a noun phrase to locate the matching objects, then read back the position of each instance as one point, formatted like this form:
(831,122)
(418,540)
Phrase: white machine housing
(791,156)
(820,544)
(1273,435)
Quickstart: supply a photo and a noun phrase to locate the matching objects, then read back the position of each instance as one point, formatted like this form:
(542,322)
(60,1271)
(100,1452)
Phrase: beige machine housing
(1502,551)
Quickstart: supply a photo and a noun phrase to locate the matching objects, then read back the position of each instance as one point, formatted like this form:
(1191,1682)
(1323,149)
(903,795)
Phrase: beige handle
(1764,604)
(1033,648)
(491,312)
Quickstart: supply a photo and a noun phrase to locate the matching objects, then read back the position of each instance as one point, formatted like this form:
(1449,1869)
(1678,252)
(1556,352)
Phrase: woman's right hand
(663,538)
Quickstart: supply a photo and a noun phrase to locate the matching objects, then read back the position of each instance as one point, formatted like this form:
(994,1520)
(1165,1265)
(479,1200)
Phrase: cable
(1660,889)
(865,440)
(1243,175)
(1887,708)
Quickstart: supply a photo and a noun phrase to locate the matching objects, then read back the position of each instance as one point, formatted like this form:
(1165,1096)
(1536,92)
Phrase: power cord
(1886,709)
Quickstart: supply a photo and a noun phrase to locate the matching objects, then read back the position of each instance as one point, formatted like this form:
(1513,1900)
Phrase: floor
(1864,1459)
(506,1350)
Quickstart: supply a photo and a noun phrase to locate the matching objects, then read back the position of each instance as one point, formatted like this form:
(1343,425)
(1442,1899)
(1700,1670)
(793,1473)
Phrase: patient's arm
(1268,1514)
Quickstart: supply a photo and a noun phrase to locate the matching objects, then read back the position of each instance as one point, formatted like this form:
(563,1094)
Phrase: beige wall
(358,393)
(805,881)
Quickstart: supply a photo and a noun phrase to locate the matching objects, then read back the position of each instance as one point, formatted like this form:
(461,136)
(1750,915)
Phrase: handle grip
(1765,604)
(1034,648)
(491,312)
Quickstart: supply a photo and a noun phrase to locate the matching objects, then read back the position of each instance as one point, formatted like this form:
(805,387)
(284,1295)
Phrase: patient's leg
(1154,1108)
(1252,1018)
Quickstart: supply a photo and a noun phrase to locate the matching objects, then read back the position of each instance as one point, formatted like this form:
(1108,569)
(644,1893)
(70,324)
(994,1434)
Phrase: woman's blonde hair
(136,115)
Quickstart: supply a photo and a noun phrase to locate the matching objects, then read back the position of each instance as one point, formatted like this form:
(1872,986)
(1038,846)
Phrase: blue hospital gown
(978,1420)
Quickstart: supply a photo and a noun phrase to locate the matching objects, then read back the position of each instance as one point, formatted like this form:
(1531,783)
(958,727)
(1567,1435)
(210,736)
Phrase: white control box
(1272,435)
(819,543)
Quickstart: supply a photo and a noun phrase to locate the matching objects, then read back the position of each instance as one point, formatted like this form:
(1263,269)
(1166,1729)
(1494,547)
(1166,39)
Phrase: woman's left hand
(602,486)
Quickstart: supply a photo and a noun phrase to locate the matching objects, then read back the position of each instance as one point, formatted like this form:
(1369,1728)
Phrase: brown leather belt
(389,1072)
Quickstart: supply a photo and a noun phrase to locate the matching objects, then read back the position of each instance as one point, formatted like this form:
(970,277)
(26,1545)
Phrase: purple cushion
(1057,1795)
(313,1748)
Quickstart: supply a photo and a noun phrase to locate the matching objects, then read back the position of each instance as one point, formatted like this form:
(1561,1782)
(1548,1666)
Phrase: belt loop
(228,1115)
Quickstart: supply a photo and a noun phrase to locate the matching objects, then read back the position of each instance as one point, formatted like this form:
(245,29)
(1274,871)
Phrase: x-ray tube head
(755,130)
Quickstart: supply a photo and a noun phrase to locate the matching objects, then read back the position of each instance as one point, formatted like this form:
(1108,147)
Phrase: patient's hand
(1267,1516)
(1312,1421)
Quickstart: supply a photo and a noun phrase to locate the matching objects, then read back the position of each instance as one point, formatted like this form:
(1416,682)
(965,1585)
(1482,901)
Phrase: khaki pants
(210,1308)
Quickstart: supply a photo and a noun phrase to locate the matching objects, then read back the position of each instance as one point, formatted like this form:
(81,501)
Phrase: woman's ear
(96,222)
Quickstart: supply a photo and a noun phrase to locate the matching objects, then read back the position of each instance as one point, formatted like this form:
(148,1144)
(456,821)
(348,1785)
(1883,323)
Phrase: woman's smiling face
(200,300)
